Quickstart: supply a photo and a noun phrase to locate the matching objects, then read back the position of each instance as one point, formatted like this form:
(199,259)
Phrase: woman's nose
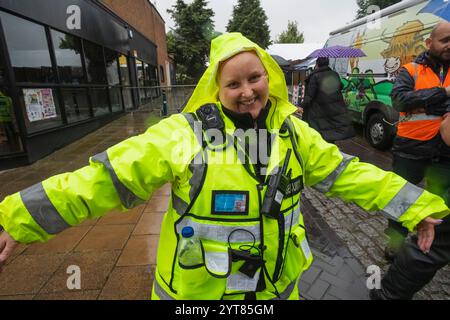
(247,91)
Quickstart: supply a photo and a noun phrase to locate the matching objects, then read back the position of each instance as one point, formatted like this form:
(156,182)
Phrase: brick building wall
(143,16)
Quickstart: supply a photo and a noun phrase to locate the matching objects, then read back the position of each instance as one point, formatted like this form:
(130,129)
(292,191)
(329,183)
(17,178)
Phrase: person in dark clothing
(324,107)
(416,157)
(421,95)
(445,128)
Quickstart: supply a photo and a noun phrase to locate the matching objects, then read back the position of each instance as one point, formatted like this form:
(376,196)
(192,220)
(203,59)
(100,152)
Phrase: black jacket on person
(324,107)
(433,100)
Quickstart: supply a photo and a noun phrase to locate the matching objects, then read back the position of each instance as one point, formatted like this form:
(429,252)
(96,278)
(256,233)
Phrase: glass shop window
(76,103)
(68,57)
(28,49)
(95,65)
(124,71)
(112,67)
(100,103)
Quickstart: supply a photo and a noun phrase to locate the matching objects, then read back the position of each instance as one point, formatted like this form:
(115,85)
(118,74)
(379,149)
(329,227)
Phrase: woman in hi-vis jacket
(237,160)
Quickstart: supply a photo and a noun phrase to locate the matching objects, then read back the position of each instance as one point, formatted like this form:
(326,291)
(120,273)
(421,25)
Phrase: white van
(390,38)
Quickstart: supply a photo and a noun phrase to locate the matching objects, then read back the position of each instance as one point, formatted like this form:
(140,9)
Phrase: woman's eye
(255,78)
(233,85)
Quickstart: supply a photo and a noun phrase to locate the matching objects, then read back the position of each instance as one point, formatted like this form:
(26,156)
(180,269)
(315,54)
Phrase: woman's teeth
(247,103)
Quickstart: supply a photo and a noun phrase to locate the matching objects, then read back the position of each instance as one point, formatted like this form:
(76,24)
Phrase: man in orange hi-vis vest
(421,94)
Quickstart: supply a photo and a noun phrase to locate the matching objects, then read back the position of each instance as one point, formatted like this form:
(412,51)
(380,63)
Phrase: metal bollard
(164,106)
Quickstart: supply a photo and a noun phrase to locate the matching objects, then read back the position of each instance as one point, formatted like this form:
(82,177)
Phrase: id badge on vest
(230,203)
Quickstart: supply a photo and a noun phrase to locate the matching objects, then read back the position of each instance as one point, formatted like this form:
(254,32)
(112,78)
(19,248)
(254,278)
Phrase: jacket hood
(223,48)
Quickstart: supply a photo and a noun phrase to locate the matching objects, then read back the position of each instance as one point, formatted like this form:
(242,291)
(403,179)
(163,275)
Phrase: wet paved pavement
(335,273)
(116,253)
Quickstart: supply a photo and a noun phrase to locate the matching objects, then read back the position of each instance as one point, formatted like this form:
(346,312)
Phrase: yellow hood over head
(223,48)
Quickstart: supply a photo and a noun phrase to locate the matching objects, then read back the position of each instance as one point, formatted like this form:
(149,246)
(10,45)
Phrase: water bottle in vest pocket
(207,280)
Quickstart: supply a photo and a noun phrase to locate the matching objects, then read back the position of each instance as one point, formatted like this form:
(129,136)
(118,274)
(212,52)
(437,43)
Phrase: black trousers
(437,181)
(411,269)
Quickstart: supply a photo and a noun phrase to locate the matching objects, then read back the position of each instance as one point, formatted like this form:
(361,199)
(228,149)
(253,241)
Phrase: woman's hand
(425,233)
(7,246)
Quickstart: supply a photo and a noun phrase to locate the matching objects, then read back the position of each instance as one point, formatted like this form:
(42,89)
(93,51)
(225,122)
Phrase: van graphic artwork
(368,81)
(392,67)
(407,42)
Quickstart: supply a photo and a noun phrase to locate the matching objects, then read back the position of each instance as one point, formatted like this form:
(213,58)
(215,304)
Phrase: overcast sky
(316,18)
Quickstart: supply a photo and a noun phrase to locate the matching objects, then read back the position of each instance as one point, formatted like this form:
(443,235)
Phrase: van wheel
(378,132)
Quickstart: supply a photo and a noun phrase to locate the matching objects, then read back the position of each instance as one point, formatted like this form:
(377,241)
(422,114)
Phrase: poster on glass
(39,104)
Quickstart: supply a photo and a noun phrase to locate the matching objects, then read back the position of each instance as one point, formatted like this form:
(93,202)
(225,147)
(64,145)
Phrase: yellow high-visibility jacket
(174,151)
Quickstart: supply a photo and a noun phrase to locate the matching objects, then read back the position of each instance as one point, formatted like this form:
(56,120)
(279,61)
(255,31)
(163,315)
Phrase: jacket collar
(427,59)
(275,113)
(245,120)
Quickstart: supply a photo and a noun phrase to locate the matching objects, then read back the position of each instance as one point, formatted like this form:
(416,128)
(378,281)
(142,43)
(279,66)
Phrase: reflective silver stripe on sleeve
(42,209)
(402,201)
(127,197)
(418,117)
(326,184)
(287,292)
(161,293)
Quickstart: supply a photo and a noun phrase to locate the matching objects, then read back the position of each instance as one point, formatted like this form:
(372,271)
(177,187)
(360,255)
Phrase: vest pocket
(239,283)
(198,284)
(299,256)
(217,259)
(207,281)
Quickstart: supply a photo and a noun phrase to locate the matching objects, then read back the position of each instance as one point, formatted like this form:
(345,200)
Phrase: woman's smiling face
(243,84)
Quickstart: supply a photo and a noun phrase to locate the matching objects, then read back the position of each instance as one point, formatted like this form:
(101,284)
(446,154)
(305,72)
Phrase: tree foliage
(291,35)
(250,19)
(365,4)
(190,40)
